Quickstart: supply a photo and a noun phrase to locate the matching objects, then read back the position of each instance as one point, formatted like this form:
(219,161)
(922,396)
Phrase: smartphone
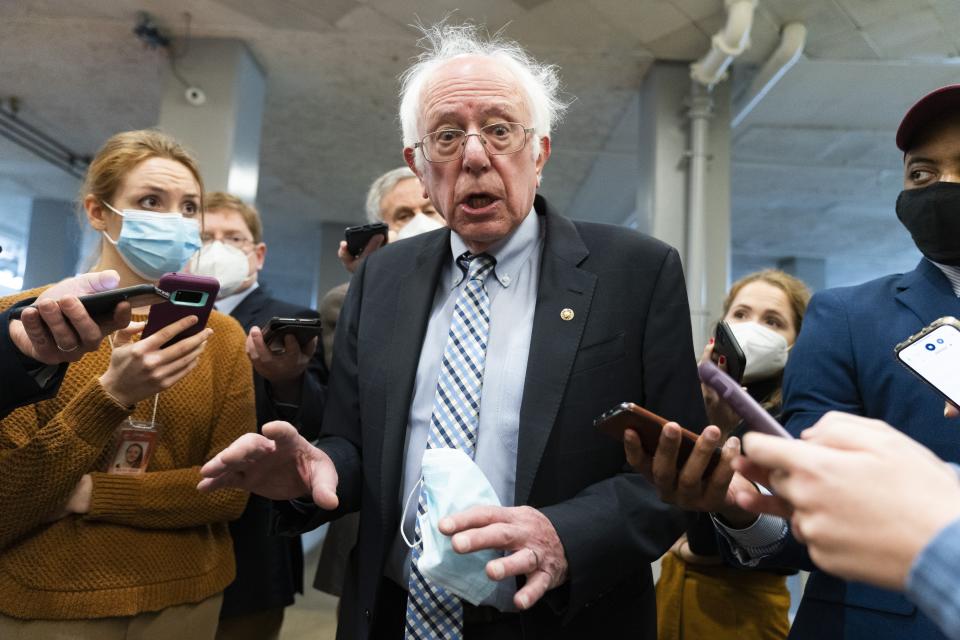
(933,355)
(101,305)
(303,329)
(358,237)
(648,426)
(189,295)
(754,416)
(725,344)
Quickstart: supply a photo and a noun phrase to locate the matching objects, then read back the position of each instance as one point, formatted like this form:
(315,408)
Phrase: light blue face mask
(153,244)
(452,483)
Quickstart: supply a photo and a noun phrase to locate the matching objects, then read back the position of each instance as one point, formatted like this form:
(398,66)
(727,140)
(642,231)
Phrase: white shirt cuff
(763,538)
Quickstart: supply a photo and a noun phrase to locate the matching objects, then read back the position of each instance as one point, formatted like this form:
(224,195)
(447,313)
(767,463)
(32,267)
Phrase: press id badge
(134,445)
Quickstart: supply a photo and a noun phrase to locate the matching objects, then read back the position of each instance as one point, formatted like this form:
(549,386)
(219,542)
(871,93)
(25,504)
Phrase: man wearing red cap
(843,361)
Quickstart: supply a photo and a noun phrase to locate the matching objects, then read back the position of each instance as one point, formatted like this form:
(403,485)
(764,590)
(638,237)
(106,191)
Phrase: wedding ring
(75,347)
(535,557)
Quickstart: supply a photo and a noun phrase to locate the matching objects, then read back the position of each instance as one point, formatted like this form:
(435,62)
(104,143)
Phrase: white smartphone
(933,355)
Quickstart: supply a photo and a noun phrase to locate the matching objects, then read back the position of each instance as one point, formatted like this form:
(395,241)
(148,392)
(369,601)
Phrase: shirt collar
(228,303)
(953,275)
(511,252)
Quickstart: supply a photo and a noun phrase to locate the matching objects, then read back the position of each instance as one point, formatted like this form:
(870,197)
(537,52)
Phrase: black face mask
(932,216)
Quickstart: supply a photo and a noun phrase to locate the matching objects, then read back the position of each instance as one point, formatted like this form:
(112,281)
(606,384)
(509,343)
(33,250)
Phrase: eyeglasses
(498,139)
(235,241)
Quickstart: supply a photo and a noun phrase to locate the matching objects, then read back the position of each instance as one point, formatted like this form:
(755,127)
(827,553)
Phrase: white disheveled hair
(381,187)
(443,42)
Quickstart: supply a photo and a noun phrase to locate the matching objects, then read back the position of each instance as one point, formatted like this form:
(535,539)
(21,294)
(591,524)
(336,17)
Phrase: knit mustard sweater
(149,541)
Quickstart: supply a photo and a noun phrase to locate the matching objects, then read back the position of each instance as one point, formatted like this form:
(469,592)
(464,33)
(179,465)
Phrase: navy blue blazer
(843,360)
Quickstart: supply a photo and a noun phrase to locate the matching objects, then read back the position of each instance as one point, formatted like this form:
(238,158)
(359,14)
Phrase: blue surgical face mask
(452,482)
(153,244)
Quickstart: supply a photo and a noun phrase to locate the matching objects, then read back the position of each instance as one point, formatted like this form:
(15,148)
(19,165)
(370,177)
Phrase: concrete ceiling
(330,119)
(816,171)
(815,168)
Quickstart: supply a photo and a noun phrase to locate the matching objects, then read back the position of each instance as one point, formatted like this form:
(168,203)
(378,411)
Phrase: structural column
(213,103)
(663,202)
(53,248)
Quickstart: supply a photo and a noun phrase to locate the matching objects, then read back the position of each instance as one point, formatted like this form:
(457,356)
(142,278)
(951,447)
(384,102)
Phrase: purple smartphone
(755,416)
(190,295)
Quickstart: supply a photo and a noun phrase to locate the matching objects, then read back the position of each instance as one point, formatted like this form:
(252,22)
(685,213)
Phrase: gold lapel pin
(566,314)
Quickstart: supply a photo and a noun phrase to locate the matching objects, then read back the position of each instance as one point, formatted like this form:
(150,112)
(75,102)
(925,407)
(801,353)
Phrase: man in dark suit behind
(289,386)
(581,317)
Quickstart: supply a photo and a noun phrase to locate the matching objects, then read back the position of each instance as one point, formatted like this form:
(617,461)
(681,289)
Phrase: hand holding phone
(189,295)
(725,344)
(648,426)
(303,329)
(690,472)
(140,369)
(60,329)
(933,355)
(358,237)
(100,306)
(754,416)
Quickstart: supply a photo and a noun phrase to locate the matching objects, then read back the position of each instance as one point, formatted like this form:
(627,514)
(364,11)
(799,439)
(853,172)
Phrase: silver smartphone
(933,355)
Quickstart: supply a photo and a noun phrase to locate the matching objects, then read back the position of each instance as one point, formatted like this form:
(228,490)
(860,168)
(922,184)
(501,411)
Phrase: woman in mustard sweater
(90,548)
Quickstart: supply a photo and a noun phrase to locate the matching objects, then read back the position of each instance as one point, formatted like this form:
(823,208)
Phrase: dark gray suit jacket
(629,340)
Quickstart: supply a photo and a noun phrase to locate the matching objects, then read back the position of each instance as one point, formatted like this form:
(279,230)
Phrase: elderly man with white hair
(397,199)
(468,367)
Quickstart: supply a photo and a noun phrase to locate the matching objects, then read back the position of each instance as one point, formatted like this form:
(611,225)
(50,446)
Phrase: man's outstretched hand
(279,464)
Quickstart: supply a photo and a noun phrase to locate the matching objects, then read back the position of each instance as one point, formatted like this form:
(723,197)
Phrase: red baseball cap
(927,109)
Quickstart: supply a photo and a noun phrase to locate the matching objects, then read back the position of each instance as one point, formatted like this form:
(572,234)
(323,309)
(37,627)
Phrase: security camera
(195,96)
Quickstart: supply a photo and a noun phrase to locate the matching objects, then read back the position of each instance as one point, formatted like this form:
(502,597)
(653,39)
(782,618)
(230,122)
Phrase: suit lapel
(554,342)
(247,312)
(924,291)
(414,304)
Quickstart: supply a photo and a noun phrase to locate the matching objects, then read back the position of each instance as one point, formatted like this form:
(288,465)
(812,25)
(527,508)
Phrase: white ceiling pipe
(726,44)
(793,38)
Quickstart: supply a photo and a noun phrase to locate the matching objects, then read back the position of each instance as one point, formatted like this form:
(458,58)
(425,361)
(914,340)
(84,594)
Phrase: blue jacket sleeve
(934,583)
(820,377)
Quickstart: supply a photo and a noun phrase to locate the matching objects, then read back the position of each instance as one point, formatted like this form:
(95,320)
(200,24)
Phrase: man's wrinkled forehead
(485,85)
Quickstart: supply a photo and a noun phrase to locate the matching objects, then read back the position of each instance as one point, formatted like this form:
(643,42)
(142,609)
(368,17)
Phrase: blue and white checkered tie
(432,613)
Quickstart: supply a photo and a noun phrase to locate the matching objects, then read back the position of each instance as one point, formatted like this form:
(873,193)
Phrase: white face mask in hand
(765,350)
(227,264)
(451,483)
(418,224)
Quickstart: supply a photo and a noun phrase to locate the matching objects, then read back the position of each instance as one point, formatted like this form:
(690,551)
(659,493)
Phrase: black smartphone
(358,237)
(648,426)
(303,329)
(933,355)
(101,305)
(725,344)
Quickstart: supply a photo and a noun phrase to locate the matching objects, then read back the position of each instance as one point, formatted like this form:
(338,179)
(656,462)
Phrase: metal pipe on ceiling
(726,44)
(793,38)
(42,145)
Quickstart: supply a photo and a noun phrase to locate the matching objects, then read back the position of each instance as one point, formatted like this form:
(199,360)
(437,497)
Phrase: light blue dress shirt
(933,583)
(512,288)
